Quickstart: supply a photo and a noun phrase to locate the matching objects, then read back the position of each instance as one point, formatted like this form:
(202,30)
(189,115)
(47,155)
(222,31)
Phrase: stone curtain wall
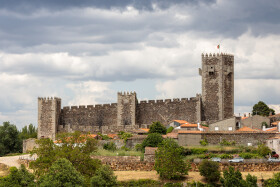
(168,110)
(88,118)
(228,79)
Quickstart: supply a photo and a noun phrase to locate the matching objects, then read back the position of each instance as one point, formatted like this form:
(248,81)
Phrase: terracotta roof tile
(190,132)
(112,135)
(276,115)
(171,135)
(181,121)
(146,130)
(189,125)
(275,123)
(244,118)
(272,129)
(246,129)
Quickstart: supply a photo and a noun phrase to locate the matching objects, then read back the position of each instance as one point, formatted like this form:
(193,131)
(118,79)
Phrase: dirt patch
(193,176)
(4,170)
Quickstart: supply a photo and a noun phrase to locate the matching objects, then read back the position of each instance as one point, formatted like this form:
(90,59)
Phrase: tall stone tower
(217,86)
(48,117)
(126,114)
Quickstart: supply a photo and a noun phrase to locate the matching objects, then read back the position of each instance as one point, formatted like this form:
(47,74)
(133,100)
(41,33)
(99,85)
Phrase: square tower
(217,86)
(126,112)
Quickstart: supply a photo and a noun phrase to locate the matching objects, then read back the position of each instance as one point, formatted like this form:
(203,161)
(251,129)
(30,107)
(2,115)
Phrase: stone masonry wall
(168,110)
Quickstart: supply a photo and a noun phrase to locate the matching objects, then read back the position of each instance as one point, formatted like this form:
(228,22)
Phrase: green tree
(152,140)
(233,178)
(75,147)
(210,170)
(61,173)
(104,177)
(263,150)
(170,129)
(10,141)
(124,135)
(274,181)
(157,127)
(169,162)
(29,131)
(262,109)
(18,178)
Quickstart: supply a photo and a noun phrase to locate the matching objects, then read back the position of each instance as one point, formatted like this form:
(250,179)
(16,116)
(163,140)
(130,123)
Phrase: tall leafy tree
(10,141)
(169,160)
(153,140)
(104,177)
(210,170)
(29,131)
(62,173)
(157,127)
(262,109)
(75,147)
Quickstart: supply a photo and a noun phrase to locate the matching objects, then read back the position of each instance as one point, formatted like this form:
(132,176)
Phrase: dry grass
(4,170)
(193,176)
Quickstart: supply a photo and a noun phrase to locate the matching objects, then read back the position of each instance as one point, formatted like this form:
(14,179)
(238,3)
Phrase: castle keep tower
(48,117)
(217,86)
(126,112)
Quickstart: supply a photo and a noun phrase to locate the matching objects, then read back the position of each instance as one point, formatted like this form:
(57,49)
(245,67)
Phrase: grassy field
(214,147)
(103,152)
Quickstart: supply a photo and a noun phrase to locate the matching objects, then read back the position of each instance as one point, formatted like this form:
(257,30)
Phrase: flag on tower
(218,46)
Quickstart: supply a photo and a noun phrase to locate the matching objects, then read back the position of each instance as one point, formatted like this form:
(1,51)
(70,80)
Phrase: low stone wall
(124,159)
(29,145)
(245,167)
(118,142)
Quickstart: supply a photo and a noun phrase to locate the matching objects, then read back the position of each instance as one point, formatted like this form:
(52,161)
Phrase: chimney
(249,114)
(263,127)
(244,114)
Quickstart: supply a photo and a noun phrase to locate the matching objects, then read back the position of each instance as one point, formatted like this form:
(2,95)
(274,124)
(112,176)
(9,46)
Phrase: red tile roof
(112,135)
(181,121)
(189,125)
(272,129)
(246,129)
(146,130)
(244,118)
(171,135)
(275,123)
(190,132)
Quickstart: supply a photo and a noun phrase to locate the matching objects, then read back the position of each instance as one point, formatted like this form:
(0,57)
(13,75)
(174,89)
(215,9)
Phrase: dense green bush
(104,176)
(198,184)
(232,178)
(274,181)
(110,146)
(203,142)
(140,182)
(124,135)
(210,170)
(227,143)
(169,162)
(104,136)
(18,177)
(170,184)
(197,151)
(225,156)
(157,127)
(249,155)
(152,140)
(263,150)
(61,173)
(170,129)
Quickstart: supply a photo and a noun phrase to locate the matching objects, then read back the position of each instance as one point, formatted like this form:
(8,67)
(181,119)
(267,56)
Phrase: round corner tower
(217,87)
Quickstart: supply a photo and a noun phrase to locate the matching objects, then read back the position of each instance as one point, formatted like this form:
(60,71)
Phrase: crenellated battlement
(88,107)
(206,55)
(174,100)
(48,98)
(127,93)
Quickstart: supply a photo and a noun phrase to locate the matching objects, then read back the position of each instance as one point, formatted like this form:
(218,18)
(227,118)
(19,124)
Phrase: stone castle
(215,103)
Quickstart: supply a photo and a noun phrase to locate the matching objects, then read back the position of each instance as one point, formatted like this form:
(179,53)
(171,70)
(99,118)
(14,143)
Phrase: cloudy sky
(86,51)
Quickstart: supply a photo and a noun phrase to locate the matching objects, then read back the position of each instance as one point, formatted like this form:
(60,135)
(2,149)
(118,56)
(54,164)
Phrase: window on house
(230,128)
(216,128)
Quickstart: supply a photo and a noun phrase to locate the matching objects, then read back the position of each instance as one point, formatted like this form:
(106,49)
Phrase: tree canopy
(29,131)
(153,140)
(75,147)
(10,141)
(157,127)
(169,162)
(104,177)
(61,173)
(262,109)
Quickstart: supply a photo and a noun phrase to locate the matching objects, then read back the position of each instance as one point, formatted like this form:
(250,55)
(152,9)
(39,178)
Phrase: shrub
(226,156)
(210,170)
(249,155)
(157,127)
(124,135)
(170,129)
(263,150)
(153,140)
(227,143)
(104,136)
(274,181)
(197,184)
(197,151)
(18,177)
(140,182)
(110,146)
(233,178)
(170,184)
(169,162)
(125,148)
(138,147)
(104,177)
(203,142)
(62,173)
